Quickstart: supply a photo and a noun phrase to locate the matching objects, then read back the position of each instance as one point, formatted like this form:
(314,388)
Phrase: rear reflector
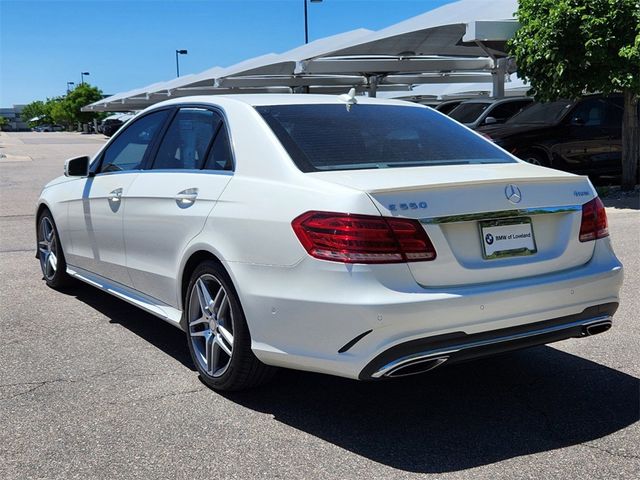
(594,221)
(347,238)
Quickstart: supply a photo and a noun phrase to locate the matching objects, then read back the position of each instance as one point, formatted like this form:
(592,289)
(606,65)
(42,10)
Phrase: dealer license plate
(507,238)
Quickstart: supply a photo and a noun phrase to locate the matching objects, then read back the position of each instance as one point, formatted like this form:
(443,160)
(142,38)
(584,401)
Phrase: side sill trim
(165,312)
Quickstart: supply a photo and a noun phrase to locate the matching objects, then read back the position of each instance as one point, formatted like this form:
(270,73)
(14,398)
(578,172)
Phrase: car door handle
(115,195)
(186,198)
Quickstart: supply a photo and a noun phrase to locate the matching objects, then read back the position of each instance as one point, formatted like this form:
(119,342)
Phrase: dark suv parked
(583,136)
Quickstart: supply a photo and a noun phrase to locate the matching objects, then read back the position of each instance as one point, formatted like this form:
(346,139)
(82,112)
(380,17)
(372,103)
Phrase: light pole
(306,20)
(68,85)
(179,52)
(82,75)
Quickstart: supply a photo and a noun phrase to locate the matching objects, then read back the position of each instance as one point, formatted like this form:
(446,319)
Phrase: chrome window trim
(188,170)
(471,217)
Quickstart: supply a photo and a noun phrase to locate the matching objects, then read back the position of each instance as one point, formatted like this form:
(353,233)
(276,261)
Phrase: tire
(217,332)
(535,158)
(50,253)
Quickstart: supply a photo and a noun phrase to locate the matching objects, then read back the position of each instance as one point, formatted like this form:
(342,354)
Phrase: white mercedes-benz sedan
(356,237)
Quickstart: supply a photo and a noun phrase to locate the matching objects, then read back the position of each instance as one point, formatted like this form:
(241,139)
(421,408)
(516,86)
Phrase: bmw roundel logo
(488,238)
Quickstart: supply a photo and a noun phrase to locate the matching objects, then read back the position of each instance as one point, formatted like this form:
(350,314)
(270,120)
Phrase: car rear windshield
(542,113)
(468,112)
(332,137)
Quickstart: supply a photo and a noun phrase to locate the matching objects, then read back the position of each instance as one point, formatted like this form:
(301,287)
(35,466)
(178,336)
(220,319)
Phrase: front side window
(186,143)
(128,149)
(589,113)
(332,137)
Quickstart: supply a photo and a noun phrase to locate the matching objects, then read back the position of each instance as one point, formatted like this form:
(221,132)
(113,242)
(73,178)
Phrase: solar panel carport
(461,42)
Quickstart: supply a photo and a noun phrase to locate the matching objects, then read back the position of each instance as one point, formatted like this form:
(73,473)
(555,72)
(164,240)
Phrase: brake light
(594,221)
(347,238)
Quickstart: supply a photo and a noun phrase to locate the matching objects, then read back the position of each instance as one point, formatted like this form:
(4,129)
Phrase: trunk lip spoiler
(498,214)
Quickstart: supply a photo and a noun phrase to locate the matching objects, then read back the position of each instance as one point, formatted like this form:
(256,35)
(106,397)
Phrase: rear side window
(128,149)
(508,109)
(220,157)
(468,112)
(330,137)
(186,143)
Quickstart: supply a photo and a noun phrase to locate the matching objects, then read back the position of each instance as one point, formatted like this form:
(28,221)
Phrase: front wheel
(217,332)
(50,254)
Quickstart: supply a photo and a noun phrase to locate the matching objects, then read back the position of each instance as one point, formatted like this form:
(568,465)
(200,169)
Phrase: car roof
(264,99)
(498,100)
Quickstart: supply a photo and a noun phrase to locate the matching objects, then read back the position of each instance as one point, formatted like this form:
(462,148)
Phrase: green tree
(565,48)
(3,122)
(60,113)
(82,95)
(35,110)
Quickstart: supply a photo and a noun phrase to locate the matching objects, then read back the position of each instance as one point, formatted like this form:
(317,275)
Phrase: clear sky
(128,44)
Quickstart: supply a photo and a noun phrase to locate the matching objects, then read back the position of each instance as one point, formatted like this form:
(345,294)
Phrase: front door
(96,212)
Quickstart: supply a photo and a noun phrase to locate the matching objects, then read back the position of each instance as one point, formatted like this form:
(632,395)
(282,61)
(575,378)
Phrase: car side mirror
(490,120)
(577,121)
(77,167)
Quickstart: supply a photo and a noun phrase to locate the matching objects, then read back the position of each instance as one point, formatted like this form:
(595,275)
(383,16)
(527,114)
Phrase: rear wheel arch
(195,259)
(537,152)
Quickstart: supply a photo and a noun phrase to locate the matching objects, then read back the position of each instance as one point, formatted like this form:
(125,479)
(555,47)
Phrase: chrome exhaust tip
(596,327)
(416,367)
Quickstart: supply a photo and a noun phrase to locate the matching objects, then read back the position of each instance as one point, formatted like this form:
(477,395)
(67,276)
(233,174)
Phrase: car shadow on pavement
(461,416)
(454,418)
(152,329)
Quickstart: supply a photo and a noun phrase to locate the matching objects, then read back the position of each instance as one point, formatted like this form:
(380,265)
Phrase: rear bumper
(353,320)
(425,354)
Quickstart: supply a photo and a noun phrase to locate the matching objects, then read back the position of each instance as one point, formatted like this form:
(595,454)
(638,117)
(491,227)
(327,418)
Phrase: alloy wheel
(48,248)
(211,325)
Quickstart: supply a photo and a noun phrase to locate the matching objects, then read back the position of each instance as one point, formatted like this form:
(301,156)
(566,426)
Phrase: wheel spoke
(226,335)
(53,261)
(199,321)
(203,333)
(221,295)
(222,344)
(204,297)
(48,230)
(224,308)
(210,354)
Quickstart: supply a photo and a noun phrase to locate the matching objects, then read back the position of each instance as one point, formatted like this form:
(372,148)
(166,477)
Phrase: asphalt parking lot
(91,387)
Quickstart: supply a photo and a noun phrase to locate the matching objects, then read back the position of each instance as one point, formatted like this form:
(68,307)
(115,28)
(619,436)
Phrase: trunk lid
(479,234)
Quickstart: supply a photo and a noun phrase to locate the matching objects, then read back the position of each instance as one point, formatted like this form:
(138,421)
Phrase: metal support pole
(177,65)
(306,23)
(373,80)
(498,75)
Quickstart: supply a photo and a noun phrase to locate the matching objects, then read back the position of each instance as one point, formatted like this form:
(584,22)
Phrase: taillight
(594,221)
(347,238)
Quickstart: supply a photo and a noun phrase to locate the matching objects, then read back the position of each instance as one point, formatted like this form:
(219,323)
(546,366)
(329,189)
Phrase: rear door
(168,203)
(587,145)
(98,205)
